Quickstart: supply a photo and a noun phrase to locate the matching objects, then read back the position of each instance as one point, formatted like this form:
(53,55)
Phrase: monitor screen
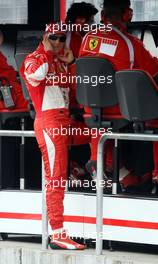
(28,12)
(28,40)
(13,11)
(145,10)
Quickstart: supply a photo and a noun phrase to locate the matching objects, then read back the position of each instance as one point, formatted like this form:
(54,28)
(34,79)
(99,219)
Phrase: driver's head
(117,10)
(56,36)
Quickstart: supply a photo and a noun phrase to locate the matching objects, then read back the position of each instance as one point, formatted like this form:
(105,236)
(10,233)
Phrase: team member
(123,50)
(43,71)
(78,15)
(8,77)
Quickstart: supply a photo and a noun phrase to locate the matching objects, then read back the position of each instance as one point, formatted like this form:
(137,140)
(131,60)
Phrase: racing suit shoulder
(37,64)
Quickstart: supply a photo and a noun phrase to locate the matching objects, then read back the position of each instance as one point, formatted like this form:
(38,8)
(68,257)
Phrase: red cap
(56,28)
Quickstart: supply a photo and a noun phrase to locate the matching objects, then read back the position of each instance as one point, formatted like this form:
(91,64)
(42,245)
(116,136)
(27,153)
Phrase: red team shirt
(8,72)
(113,45)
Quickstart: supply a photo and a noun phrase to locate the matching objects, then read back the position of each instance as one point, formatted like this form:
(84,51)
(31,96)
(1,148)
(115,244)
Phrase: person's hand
(67,57)
(155,179)
(46,43)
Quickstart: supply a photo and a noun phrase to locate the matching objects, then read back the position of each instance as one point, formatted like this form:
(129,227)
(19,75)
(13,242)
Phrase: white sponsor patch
(108,46)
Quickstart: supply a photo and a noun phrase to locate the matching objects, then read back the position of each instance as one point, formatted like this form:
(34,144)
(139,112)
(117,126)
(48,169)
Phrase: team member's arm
(145,61)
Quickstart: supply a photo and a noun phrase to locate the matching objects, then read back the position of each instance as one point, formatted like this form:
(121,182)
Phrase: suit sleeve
(36,67)
(144,60)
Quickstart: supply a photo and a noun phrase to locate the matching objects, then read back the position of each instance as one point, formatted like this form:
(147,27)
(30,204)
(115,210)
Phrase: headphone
(128,14)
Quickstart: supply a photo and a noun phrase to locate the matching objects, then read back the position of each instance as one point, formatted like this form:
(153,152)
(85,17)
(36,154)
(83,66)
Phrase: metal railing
(18,133)
(99,198)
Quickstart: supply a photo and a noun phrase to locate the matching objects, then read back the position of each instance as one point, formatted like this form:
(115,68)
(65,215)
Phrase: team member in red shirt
(43,71)
(78,15)
(123,50)
(8,77)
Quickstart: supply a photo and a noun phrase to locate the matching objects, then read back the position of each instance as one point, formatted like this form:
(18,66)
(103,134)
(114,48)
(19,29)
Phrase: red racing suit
(42,73)
(124,51)
(7,72)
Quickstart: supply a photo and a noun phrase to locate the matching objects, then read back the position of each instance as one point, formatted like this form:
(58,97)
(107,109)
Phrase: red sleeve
(144,60)
(6,70)
(36,66)
(75,43)
(9,73)
(73,101)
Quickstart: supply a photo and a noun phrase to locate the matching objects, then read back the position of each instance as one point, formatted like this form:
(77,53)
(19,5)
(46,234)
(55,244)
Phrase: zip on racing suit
(52,124)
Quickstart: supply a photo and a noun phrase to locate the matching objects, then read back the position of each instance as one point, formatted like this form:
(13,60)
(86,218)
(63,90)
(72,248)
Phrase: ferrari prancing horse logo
(93,43)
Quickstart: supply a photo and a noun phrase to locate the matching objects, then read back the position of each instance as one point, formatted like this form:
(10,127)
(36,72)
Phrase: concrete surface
(31,253)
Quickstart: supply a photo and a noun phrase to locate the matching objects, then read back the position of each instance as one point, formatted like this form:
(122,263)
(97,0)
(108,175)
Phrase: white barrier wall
(124,219)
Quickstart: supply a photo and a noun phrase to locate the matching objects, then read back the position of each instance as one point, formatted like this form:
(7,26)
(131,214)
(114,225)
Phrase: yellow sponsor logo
(93,43)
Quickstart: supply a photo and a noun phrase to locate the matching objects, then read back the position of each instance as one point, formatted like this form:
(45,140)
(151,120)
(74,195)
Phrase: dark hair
(81,9)
(114,9)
